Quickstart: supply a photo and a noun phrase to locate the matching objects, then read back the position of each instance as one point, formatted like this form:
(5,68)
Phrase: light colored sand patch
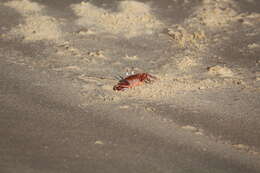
(241,146)
(215,14)
(149,109)
(250,20)
(193,129)
(189,128)
(257,74)
(186,63)
(133,58)
(99,143)
(167,87)
(132,19)
(245,148)
(185,38)
(85,32)
(36,26)
(219,70)
(254,46)
(97,53)
(25,7)
(124,107)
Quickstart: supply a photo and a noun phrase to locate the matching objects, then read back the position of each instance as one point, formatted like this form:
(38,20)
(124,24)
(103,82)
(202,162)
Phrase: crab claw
(119,88)
(122,84)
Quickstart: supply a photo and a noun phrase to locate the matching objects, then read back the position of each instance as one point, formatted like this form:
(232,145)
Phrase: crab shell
(134,80)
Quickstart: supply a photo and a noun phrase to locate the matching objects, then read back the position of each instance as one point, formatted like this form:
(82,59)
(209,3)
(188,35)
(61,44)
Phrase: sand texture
(205,54)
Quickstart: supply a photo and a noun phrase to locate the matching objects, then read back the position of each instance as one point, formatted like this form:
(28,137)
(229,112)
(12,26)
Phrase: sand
(217,14)
(36,25)
(222,71)
(211,53)
(131,18)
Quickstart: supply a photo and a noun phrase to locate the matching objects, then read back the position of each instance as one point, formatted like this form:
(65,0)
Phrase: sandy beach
(59,61)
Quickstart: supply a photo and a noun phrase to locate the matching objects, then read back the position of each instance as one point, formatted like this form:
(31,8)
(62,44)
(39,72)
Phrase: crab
(133,80)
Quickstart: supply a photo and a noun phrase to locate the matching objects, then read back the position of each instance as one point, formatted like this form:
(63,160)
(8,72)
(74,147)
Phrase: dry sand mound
(25,7)
(215,14)
(222,71)
(36,26)
(132,18)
